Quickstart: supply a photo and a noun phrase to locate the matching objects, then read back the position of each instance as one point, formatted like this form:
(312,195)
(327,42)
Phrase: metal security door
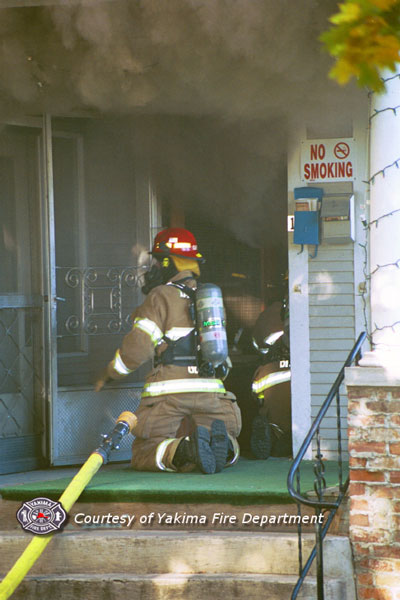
(93,281)
(22,388)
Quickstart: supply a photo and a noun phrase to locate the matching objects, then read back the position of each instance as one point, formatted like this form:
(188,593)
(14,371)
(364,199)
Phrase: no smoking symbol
(341,150)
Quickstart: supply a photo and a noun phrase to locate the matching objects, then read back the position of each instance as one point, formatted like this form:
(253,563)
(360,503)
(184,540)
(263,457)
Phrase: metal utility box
(307,215)
(337,215)
(306,228)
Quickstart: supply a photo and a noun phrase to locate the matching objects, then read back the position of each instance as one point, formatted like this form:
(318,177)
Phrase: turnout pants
(163,421)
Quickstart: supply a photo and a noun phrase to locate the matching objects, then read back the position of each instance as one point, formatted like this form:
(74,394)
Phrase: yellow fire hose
(125,423)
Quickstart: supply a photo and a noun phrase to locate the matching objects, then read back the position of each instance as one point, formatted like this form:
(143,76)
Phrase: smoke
(212,87)
(236,58)
(228,171)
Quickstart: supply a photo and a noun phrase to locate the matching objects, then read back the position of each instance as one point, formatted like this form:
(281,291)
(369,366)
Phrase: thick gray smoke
(230,171)
(217,83)
(239,58)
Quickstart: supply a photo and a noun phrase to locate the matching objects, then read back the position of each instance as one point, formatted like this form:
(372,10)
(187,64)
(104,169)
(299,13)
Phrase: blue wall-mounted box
(307,229)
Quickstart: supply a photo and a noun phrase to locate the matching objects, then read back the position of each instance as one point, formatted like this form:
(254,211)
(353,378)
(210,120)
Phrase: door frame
(49,279)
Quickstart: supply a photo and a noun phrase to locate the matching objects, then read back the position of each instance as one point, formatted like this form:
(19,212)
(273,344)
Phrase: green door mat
(248,482)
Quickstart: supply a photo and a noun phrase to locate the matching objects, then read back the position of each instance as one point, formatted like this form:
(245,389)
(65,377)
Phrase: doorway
(77,219)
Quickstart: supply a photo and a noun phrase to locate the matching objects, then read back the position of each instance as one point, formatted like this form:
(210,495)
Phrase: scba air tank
(211,325)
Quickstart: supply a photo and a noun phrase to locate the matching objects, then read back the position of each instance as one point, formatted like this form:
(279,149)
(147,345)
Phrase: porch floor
(250,482)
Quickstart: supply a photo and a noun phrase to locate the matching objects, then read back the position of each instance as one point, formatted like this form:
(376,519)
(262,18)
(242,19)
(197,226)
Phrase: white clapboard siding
(321,389)
(332,277)
(337,344)
(328,378)
(334,322)
(328,311)
(329,449)
(319,399)
(332,334)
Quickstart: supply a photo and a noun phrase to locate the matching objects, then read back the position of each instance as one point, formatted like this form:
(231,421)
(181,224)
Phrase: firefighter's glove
(102,379)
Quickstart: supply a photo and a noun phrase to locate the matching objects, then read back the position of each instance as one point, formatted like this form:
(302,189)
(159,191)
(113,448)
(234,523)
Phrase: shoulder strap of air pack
(188,291)
(182,352)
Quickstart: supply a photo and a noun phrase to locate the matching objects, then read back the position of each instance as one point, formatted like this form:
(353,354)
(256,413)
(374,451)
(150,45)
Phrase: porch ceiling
(25,3)
(244,60)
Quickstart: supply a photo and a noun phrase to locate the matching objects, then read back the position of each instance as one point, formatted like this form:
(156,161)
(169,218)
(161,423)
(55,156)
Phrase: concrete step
(96,552)
(120,586)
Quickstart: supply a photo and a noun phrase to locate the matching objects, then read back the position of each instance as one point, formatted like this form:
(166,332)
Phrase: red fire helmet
(176,241)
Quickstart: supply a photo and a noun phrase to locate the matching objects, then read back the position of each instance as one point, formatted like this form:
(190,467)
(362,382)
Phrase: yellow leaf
(342,71)
(360,31)
(384,4)
(348,12)
(364,39)
(387,50)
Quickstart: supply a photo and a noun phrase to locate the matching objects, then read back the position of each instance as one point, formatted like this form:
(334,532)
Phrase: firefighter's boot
(260,440)
(219,444)
(196,449)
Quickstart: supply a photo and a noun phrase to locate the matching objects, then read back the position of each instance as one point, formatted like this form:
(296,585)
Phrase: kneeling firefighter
(271,428)
(186,418)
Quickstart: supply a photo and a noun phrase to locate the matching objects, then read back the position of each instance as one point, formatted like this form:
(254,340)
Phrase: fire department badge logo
(41,516)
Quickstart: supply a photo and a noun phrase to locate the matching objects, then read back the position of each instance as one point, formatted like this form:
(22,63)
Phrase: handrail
(319,504)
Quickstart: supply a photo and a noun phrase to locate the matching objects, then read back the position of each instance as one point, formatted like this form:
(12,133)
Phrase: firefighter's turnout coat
(271,381)
(175,398)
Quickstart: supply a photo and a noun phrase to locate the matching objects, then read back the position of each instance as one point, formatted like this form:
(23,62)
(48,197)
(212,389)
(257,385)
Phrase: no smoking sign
(328,160)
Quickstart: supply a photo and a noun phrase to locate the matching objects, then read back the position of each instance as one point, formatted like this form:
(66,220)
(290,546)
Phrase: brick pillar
(374,449)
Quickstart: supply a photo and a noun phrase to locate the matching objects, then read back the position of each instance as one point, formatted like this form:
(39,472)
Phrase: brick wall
(374,449)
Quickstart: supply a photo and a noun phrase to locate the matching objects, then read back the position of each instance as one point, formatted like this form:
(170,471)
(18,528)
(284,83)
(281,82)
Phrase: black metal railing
(325,509)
